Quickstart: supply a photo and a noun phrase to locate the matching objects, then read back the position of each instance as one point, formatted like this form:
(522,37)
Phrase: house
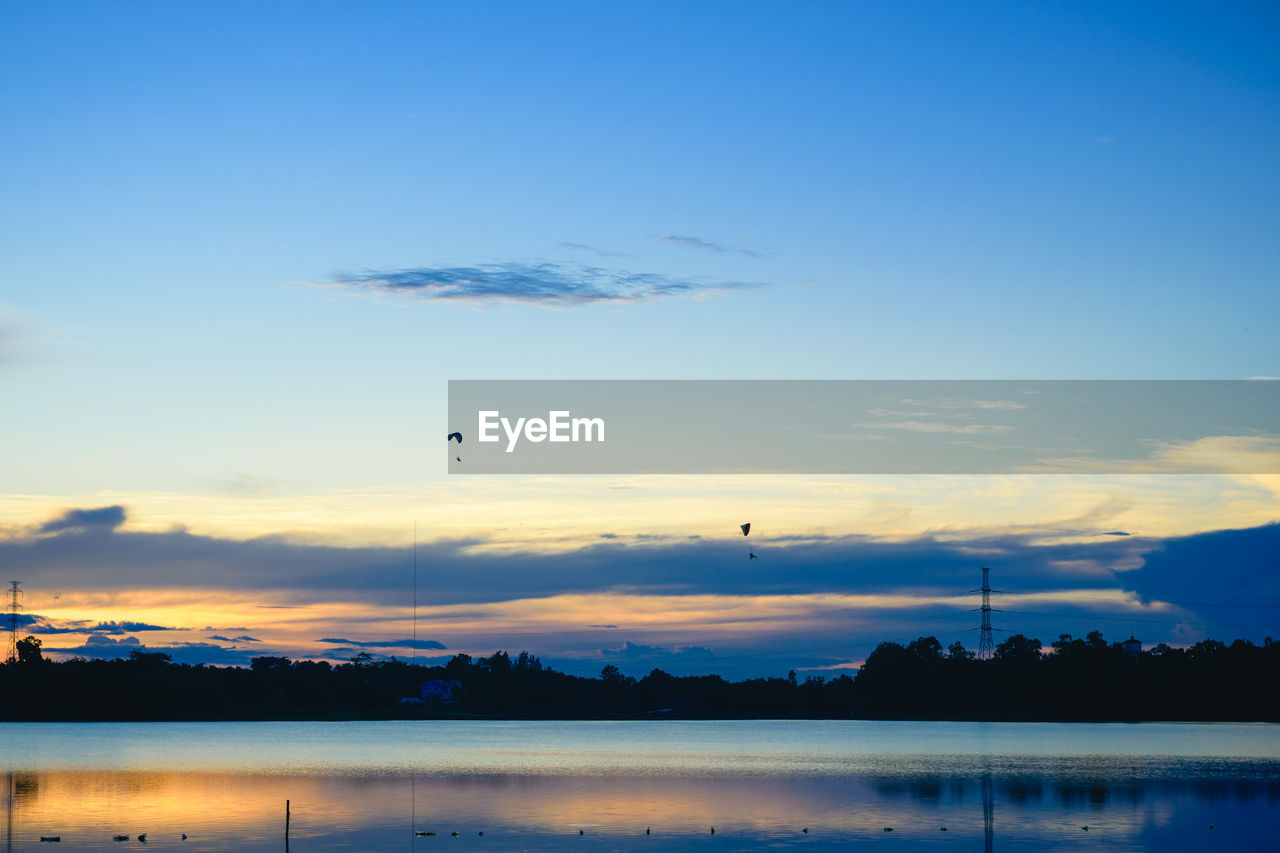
(437,690)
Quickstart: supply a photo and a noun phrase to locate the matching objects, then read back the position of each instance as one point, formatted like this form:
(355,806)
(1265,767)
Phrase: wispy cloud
(1003,405)
(638,652)
(958,403)
(207,653)
(545,284)
(385,644)
(37,624)
(240,483)
(703,244)
(9,340)
(595,250)
(936,426)
(1214,454)
(126,627)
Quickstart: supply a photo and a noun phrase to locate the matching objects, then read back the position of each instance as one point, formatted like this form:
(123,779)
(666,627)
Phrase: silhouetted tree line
(149,686)
(1075,679)
(1080,679)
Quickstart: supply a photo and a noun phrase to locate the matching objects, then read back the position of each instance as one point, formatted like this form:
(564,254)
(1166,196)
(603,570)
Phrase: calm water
(534,786)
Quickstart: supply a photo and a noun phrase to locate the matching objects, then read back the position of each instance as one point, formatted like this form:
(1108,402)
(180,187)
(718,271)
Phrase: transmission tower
(12,654)
(986,646)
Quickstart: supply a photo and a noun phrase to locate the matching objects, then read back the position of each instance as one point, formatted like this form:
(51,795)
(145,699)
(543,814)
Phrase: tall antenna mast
(986,646)
(413,776)
(415,592)
(11,656)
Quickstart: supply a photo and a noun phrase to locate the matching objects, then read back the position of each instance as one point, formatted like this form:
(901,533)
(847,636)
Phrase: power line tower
(983,700)
(11,656)
(986,646)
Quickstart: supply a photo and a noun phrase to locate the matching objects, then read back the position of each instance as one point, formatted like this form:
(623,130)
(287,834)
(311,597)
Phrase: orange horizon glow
(481,628)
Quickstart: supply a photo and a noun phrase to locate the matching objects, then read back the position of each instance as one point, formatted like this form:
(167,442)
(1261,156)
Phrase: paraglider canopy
(746,529)
(454,435)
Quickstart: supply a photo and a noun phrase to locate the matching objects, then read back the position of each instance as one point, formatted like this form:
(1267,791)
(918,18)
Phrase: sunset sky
(247,245)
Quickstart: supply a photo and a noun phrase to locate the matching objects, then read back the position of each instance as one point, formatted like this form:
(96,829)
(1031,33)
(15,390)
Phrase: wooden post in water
(286,826)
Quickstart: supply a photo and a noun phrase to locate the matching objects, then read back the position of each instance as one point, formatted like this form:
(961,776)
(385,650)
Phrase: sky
(247,247)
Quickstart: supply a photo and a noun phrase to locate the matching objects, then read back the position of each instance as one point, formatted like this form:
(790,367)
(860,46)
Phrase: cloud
(639,653)
(835,595)
(192,653)
(1231,567)
(10,338)
(126,627)
(470,570)
(703,244)
(1002,405)
(583,247)
(103,640)
(1213,454)
(243,638)
(108,517)
(937,426)
(385,644)
(1104,140)
(545,284)
(37,624)
(247,485)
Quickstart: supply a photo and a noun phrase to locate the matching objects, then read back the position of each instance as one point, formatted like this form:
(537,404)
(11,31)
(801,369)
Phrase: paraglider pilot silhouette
(458,436)
(746,531)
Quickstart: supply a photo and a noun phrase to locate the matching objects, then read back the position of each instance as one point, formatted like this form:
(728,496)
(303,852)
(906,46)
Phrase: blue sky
(912,190)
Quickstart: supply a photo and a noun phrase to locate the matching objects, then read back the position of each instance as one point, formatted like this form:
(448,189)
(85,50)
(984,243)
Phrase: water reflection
(534,797)
(988,813)
(220,811)
(8,812)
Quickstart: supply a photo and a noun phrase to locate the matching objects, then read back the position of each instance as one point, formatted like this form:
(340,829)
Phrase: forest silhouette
(1072,679)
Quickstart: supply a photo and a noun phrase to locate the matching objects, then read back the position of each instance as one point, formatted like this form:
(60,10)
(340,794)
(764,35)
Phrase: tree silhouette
(29,650)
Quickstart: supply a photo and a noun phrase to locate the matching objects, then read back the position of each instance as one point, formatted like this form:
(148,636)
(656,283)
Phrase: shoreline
(343,718)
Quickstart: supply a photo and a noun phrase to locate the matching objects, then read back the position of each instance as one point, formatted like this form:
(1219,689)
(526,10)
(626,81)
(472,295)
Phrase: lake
(535,786)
